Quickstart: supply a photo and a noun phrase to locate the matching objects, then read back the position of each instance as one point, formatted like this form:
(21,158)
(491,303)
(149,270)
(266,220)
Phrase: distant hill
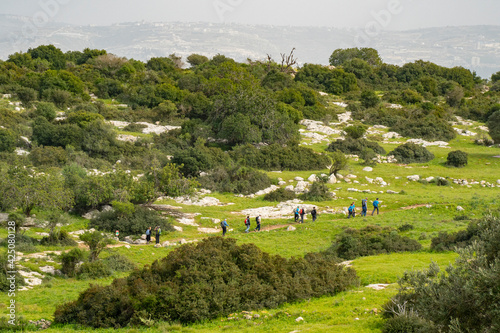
(476,47)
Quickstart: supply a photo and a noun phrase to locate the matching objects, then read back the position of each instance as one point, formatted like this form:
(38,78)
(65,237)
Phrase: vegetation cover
(213,278)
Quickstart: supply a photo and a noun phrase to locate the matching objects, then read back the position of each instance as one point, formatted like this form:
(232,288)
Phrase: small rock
(299,319)
(291,228)
(460,208)
(247,317)
(299,179)
(256,316)
(127,246)
(182,241)
(368,169)
(414,178)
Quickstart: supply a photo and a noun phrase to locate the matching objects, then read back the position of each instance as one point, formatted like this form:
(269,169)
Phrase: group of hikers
(301,212)
(149,232)
(364,208)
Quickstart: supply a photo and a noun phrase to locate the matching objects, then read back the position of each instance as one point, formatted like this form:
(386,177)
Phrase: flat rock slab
(379,286)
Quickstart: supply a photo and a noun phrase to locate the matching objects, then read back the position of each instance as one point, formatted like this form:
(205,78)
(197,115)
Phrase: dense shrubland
(197,282)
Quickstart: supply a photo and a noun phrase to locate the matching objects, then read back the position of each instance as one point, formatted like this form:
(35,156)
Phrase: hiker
(352,211)
(313,214)
(296,212)
(148,235)
(247,224)
(375,206)
(302,212)
(257,219)
(364,206)
(117,233)
(158,233)
(224,226)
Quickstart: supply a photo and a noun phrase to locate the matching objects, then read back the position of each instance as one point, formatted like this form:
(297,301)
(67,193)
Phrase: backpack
(350,208)
(247,221)
(302,211)
(222,224)
(257,219)
(159,231)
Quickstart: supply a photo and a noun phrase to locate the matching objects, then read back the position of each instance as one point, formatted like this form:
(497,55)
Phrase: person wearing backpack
(158,234)
(313,214)
(148,235)
(296,213)
(247,224)
(224,226)
(302,213)
(364,207)
(375,206)
(257,219)
(352,210)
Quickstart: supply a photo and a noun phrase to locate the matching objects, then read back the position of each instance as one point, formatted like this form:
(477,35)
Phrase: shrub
(355,132)
(277,157)
(280,195)
(48,156)
(6,267)
(449,241)
(494,126)
(428,128)
(412,153)
(69,261)
(405,323)
(355,146)
(440,181)
(317,192)
(371,240)
(457,158)
(470,286)
(46,110)
(239,180)
(133,224)
(211,279)
(406,227)
(94,270)
(7,140)
(134,127)
(368,156)
(118,263)
(61,238)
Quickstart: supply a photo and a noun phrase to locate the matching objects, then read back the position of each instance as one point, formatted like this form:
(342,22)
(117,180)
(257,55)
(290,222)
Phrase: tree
(369,99)
(495,77)
(340,56)
(494,126)
(46,110)
(26,95)
(96,243)
(338,162)
(7,140)
(28,189)
(356,132)
(455,96)
(196,59)
(53,55)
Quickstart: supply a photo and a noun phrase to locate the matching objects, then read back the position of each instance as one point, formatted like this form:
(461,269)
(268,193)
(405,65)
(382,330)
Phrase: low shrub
(457,158)
(134,127)
(133,224)
(429,128)
(94,270)
(412,153)
(411,323)
(442,181)
(69,261)
(58,238)
(318,192)
(5,266)
(280,195)
(371,240)
(118,263)
(203,281)
(355,146)
(237,179)
(450,241)
(406,227)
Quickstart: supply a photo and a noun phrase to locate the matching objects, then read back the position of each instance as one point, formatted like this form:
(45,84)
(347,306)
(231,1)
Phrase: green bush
(408,324)
(238,180)
(464,297)
(61,238)
(118,263)
(94,270)
(134,127)
(211,279)
(318,192)
(4,268)
(352,146)
(450,241)
(277,157)
(457,158)
(412,153)
(133,224)
(355,132)
(46,110)
(69,261)
(48,156)
(280,195)
(428,128)
(371,240)
(7,140)
(406,227)
(494,126)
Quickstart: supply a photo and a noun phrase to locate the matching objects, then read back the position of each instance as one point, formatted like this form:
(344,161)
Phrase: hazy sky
(387,14)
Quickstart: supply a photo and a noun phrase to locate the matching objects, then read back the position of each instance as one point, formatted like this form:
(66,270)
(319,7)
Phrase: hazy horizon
(370,15)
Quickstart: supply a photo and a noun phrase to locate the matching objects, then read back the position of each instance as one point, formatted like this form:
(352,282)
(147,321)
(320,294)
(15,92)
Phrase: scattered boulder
(368,169)
(299,179)
(312,178)
(414,178)
(140,242)
(179,229)
(332,179)
(460,208)
(299,319)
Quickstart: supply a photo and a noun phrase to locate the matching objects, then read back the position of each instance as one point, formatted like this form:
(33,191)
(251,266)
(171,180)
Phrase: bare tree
(287,61)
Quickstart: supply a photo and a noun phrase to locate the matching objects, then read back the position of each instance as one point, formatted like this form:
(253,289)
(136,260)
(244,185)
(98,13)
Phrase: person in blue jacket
(224,226)
(375,206)
(352,210)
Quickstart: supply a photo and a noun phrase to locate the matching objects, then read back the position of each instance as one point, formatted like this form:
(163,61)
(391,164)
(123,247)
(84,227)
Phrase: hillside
(95,148)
